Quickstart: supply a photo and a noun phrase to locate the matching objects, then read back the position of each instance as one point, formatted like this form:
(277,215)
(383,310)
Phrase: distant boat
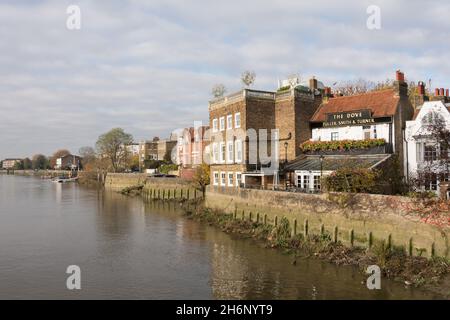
(65,180)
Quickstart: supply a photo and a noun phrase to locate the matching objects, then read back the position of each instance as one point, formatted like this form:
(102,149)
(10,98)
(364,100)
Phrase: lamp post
(321,169)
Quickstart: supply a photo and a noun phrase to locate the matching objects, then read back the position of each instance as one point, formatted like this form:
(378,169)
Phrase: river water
(128,249)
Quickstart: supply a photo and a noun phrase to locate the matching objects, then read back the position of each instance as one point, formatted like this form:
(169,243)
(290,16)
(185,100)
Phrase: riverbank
(431,274)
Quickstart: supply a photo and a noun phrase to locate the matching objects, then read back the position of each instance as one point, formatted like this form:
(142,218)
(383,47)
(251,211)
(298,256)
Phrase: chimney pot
(442,92)
(436,91)
(400,76)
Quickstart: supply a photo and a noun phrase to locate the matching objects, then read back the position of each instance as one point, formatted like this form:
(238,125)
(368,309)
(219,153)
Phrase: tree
(40,162)
(56,155)
(88,155)
(133,163)
(201,178)
(218,91)
(354,87)
(248,78)
(18,165)
(27,164)
(111,146)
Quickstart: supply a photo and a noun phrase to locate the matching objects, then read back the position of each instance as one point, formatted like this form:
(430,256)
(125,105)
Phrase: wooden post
(410,247)
(159,194)
(195,193)
(433,250)
(243,215)
(295,227)
(168,194)
(322,229)
(250,216)
(305,228)
(276,221)
(352,237)
(164,194)
(335,234)
(181,196)
(235,213)
(389,242)
(265,219)
(187,195)
(370,239)
(257,217)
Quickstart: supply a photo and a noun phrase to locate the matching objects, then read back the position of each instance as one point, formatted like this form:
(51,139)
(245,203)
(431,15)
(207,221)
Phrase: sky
(149,66)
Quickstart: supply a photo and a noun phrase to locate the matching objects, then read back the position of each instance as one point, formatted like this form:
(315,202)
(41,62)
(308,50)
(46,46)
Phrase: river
(128,249)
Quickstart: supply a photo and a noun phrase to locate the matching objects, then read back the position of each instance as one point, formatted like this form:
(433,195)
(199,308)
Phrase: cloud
(148,66)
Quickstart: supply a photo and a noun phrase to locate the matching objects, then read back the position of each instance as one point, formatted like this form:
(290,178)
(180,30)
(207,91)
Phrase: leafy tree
(40,162)
(218,90)
(134,163)
(27,164)
(18,165)
(111,146)
(201,177)
(248,78)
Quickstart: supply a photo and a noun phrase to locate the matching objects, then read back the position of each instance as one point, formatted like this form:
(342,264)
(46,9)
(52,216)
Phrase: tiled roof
(335,162)
(382,103)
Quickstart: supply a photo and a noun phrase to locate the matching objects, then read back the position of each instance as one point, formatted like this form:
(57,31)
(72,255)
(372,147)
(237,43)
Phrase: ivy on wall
(341,145)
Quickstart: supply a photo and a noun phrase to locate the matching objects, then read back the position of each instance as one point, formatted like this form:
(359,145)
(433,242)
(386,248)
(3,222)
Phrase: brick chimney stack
(421,88)
(446,92)
(442,92)
(436,92)
(401,87)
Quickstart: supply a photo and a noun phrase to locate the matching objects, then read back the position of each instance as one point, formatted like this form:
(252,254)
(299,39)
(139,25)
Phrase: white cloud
(149,66)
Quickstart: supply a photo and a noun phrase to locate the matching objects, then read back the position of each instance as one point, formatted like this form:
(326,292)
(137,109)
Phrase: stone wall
(382,217)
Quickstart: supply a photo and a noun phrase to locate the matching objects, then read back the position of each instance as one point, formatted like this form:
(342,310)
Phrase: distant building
(133,149)
(10,163)
(191,146)
(68,162)
(156,149)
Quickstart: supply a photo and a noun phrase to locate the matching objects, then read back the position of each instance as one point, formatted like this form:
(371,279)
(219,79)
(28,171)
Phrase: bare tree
(354,87)
(218,90)
(248,78)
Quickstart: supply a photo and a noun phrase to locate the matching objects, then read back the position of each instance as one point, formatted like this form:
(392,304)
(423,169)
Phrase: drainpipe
(407,155)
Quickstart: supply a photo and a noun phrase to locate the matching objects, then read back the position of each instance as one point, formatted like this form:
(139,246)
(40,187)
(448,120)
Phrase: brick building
(251,131)
(379,116)
(10,163)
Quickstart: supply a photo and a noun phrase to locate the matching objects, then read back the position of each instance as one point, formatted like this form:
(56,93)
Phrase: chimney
(421,88)
(313,83)
(446,92)
(400,86)
(436,92)
(442,92)
(400,76)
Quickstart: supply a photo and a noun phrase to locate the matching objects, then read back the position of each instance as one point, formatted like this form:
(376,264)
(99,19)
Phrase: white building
(424,151)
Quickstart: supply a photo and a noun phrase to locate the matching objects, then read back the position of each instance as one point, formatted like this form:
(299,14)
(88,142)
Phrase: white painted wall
(352,132)
(414,128)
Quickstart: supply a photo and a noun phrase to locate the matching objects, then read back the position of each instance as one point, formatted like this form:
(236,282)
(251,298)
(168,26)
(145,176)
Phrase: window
(316,182)
(237,120)
(215,153)
(222,123)
(222,152)
(222,178)
(430,153)
(216,178)
(305,182)
(299,181)
(229,122)
(419,153)
(375,134)
(238,151)
(230,152)
(366,130)
(230,179)
(431,182)
(334,136)
(215,125)
(238,179)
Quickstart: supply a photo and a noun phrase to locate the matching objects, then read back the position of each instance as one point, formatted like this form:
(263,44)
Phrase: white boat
(64,180)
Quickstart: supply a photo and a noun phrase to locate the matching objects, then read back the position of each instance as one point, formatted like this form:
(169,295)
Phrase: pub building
(377,117)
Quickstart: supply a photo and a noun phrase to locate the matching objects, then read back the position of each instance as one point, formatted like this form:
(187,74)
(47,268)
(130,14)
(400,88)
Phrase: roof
(335,162)
(417,110)
(382,103)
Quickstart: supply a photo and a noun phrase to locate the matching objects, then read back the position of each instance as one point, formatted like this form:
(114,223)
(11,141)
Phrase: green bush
(341,145)
(354,180)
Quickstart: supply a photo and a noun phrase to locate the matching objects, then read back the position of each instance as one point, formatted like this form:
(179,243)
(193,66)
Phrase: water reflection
(130,249)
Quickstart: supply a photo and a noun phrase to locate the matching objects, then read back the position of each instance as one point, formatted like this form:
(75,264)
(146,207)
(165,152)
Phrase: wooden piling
(295,227)
(352,237)
(370,239)
(335,234)
(265,219)
(322,229)
(306,228)
(276,221)
(410,247)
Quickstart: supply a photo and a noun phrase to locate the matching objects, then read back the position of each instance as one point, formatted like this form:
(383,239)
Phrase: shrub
(341,145)
(355,180)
